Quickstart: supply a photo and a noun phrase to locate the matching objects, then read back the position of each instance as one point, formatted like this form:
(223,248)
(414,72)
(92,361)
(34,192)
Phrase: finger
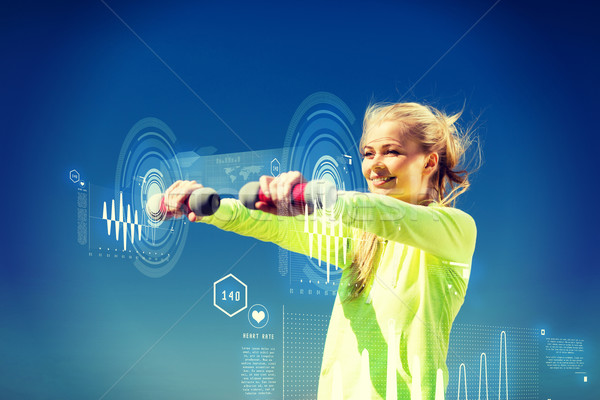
(282,196)
(185,191)
(192,216)
(175,185)
(264,183)
(195,185)
(170,199)
(265,207)
(176,196)
(273,191)
(294,178)
(182,192)
(297,177)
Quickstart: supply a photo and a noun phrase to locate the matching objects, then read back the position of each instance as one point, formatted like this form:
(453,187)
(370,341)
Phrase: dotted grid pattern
(82,217)
(468,342)
(304,340)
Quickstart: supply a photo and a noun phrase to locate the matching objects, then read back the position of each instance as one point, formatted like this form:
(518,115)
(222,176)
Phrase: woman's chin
(392,192)
(382,190)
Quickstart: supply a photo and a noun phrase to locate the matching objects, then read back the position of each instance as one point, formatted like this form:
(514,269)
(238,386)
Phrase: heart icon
(258,316)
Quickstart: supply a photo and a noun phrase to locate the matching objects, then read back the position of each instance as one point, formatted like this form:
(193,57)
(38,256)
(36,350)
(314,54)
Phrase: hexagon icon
(230,295)
(275,167)
(74,176)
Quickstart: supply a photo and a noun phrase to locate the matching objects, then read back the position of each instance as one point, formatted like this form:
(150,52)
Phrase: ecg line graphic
(482,364)
(128,223)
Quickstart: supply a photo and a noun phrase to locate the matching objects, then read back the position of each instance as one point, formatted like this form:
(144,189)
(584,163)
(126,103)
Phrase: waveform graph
(330,238)
(486,362)
(483,374)
(130,224)
(147,165)
(320,143)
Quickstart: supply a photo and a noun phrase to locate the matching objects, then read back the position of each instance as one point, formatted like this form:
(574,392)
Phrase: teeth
(382,179)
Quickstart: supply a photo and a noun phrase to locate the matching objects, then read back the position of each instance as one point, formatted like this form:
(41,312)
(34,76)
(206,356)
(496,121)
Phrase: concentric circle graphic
(321,145)
(148,165)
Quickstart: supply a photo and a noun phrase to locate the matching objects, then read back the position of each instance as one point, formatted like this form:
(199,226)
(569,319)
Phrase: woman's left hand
(279,190)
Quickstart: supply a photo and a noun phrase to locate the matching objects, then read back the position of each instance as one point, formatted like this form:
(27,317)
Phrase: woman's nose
(377,162)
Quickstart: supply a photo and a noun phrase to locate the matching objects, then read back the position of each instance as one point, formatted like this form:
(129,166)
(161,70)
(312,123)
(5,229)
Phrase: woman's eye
(368,154)
(394,152)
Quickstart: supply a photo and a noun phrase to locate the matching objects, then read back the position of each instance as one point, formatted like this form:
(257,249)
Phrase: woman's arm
(314,236)
(441,231)
(445,232)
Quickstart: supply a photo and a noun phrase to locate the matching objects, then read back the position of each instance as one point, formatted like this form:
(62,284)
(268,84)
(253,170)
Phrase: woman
(410,252)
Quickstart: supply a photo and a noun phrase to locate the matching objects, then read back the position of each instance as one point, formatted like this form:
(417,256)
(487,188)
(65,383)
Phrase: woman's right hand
(176,197)
(279,190)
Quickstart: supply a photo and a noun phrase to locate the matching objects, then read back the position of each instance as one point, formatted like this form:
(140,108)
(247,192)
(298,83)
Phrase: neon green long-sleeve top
(390,342)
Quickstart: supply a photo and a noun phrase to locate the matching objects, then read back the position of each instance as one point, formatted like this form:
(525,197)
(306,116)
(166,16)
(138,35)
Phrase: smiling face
(394,165)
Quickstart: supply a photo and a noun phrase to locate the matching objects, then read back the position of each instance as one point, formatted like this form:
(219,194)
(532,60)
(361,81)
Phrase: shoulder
(455,213)
(462,223)
(451,211)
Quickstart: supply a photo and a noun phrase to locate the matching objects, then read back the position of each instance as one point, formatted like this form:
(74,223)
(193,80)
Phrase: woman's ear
(431,163)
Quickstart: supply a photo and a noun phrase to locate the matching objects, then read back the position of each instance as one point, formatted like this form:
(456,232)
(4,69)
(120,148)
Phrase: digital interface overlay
(281,348)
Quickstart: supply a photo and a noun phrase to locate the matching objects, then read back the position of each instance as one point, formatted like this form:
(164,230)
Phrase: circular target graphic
(148,165)
(321,145)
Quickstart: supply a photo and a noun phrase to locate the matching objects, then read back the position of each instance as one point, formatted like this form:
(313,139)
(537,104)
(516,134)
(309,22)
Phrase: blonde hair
(435,132)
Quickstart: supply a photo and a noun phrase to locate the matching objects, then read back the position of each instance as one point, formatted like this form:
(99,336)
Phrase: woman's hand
(176,197)
(279,190)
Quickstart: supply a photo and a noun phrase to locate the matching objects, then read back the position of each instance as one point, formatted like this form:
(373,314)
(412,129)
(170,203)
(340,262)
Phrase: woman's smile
(381,180)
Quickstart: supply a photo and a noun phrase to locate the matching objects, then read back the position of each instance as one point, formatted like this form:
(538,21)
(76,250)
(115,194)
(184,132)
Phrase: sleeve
(314,235)
(445,232)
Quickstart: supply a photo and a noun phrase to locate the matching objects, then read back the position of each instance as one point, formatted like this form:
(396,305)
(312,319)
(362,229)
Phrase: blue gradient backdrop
(74,80)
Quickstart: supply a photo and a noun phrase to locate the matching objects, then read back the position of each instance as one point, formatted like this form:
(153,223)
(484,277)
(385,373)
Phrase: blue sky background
(74,80)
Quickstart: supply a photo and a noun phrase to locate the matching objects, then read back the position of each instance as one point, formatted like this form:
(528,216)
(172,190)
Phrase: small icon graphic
(230,295)
(275,167)
(258,316)
(543,332)
(74,176)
